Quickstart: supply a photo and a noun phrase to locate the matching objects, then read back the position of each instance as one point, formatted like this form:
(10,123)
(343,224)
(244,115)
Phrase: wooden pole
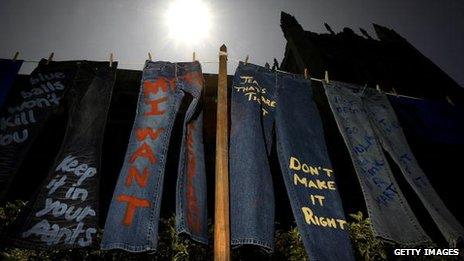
(221,210)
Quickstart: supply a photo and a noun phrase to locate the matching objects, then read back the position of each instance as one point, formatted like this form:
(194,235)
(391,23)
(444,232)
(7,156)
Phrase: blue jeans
(8,71)
(64,212)
(133,217)
(368,123)
(263,102)
(432,121)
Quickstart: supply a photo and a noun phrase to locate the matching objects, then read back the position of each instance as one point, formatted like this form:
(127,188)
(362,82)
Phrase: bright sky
(91,29)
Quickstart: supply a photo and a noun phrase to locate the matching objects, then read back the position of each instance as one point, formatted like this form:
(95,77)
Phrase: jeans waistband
(177,69)
(354,89)
(261,69)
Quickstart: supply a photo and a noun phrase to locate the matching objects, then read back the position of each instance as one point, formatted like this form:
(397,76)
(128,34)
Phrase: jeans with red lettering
(133,217)
(368,123)
(64,213)
(27,111)
(263,102)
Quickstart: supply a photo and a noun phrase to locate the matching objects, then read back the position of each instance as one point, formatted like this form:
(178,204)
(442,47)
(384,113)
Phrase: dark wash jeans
(432,121)
(8,71)
(64,213)
(133,217)
(368,123)
(27,112)
(264,101)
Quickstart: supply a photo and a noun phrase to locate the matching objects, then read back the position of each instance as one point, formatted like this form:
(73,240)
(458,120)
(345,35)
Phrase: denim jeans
(64,213)
(433,121)
(133,217)
(263,102)
(27,112)
(368,123)
(8,71)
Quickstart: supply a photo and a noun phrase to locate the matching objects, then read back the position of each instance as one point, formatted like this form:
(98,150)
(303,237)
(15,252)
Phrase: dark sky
(91,29)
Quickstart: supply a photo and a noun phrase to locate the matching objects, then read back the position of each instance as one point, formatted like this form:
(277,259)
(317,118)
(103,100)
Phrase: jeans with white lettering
(8,71)
(366,122)
(264,101)
(27,112)
(64,214)
(133,217)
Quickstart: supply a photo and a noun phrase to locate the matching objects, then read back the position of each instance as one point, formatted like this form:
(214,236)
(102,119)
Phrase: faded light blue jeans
(133,217)
(367,123)
(263,102)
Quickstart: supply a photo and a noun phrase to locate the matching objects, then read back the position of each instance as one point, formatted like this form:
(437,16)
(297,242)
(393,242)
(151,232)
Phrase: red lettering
(143,151)
(141,179)
(132,204)
(154,107)
(142,134)
(194,78)
(192,201)
(154,87)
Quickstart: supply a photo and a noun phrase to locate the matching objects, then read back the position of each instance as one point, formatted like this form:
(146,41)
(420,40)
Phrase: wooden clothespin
(326,76)
(15,56)
(149,56)
(111,59)
(449,100)
(50,57)
(194,57)
(246,59)
(377,86)
(306,75)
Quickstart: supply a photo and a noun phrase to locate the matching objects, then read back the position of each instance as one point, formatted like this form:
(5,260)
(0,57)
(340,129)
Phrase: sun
(188,21)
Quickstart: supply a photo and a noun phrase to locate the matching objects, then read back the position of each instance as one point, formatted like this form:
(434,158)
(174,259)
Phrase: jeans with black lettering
(64,214)
(8,71)
(364,132)
(133,217)
(263,101)
(27,112)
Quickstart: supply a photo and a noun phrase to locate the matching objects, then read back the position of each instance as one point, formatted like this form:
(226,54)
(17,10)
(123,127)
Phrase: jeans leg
(64,213)
(251,189)
(393,140)
(308,174)
(191,204)
(391,215)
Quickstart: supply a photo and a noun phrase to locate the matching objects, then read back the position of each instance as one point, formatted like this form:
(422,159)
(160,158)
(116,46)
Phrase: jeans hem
(127,247)
(199,239)
(252,241)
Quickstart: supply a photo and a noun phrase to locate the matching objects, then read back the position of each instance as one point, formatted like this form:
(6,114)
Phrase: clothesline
(237,60)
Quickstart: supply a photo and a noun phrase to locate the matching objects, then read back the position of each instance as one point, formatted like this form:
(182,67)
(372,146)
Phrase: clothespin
(326,76)
(15,56)
(50,57)
(111,59)
(306,73)
(194,58)
(149,56)
(394,91)
(377,86)
(246,59)
(449,100)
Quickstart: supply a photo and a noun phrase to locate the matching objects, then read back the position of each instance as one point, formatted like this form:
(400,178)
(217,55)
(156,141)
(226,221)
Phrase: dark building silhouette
(391,61)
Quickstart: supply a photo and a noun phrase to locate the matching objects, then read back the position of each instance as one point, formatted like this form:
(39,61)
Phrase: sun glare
(189,21)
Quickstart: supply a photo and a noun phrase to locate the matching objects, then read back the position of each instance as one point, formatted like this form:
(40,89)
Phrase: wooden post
(221,210)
